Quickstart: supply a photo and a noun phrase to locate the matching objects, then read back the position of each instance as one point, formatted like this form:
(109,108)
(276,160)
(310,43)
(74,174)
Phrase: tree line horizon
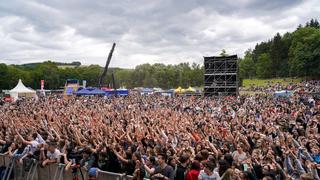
(294,54)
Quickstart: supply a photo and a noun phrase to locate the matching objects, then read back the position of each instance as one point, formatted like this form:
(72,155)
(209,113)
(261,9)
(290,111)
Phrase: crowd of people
(269,87)
(246,137)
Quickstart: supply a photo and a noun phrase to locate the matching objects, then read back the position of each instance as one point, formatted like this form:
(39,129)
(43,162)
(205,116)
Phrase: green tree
(247,66)
(284,70)
(304,55)
(123,78)
(14,73)
(263,66)
(263,47)
(47,71)
(3,76)
(313,23)
(279,56)
(91,74)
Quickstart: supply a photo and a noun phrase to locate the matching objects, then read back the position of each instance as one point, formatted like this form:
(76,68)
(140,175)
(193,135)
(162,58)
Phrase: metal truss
(221,76)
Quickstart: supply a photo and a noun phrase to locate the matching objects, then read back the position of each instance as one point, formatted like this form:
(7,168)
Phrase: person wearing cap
(93,173)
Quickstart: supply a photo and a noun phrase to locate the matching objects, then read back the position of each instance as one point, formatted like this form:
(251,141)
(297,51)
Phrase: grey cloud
(146,31)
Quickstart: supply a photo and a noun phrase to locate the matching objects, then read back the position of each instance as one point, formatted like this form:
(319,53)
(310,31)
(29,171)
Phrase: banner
(42,84)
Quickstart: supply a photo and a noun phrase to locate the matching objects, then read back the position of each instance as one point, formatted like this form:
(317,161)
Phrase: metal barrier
(12,169)
(102,175)
(127,177)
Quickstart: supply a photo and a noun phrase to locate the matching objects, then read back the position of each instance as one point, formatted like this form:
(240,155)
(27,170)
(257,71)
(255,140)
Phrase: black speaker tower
(221,76)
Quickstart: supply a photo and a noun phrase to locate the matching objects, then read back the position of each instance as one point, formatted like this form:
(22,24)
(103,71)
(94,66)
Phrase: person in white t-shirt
(208,172)
(52,155)
(31,142)
(239,155)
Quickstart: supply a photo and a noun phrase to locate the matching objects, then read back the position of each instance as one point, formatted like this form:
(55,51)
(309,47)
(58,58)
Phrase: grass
(263,82)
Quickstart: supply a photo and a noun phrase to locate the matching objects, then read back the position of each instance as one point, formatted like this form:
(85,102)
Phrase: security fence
(11,169)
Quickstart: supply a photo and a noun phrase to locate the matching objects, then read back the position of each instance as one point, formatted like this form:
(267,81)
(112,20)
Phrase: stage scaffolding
(221,76)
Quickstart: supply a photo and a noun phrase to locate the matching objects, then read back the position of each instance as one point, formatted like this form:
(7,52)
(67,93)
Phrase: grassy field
(263,82)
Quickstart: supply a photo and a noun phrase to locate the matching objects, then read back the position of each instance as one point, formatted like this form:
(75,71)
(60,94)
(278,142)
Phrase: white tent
(22,91)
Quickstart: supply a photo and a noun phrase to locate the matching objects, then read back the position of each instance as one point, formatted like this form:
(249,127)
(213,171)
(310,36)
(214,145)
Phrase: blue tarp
(283,93)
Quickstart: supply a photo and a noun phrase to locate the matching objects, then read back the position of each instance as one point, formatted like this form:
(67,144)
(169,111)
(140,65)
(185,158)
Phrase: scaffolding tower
(221,76)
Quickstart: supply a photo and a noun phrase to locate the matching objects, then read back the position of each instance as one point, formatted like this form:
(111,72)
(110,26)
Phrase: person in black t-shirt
(130,162)
(182,167)
(139,172)
(163,171)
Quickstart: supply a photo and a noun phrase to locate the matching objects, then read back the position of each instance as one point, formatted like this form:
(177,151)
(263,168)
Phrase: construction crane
(104,73)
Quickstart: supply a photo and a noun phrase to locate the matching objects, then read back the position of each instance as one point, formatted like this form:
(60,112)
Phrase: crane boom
(104,73)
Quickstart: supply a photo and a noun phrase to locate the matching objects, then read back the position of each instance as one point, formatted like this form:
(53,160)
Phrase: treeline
(293,54)
(145,75)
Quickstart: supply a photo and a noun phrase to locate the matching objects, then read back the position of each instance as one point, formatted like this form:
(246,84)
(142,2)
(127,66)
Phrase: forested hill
(292,54)
(59,64)
(146,75)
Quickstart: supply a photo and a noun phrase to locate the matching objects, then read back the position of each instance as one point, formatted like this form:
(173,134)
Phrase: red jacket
(192,175)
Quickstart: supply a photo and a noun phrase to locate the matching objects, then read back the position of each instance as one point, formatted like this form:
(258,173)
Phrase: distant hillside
(59,64)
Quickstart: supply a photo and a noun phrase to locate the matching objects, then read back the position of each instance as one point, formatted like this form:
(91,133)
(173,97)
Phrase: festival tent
(119,92)
(169,93)
(157,89)
(22,91)
(178,90)
(109,93)
(146,91)
(96,92)
(83,92)
(190,89)
(122,92)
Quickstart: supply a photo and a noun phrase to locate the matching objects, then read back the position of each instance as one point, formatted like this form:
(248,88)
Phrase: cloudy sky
(146,31)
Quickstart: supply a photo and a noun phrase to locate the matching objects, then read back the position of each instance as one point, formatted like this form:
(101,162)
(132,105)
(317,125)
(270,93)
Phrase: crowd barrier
(11,169)
(102,175)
